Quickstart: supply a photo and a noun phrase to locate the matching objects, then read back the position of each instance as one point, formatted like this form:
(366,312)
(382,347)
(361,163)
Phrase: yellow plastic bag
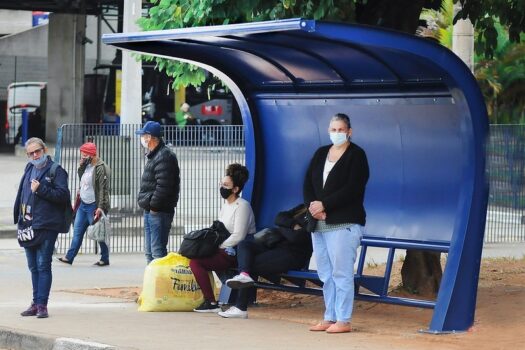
(169,285)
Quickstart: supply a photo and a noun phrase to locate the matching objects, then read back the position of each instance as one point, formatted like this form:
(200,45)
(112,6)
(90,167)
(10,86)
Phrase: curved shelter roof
(415,107)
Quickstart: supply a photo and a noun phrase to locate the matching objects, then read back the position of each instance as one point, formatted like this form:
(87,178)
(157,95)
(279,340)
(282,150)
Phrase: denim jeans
(335,254)
(156,234)
(39,262)
(84,218)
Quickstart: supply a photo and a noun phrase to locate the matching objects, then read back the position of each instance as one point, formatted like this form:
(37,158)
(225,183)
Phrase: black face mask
(226,192)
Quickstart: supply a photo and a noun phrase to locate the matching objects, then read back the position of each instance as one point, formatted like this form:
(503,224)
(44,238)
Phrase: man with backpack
(159,190)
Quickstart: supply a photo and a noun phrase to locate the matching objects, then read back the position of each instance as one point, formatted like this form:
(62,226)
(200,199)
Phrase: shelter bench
(295,281)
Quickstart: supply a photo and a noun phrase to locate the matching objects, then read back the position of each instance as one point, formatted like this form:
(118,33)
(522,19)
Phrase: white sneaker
(240,281)
(234,312)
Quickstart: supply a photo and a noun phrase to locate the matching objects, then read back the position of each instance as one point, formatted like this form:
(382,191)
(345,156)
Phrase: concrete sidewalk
(80,321)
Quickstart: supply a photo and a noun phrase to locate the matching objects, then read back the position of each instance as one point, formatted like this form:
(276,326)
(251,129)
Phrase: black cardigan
(344,190)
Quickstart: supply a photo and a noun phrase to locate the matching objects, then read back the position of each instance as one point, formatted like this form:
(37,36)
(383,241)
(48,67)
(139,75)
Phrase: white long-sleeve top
(238,218)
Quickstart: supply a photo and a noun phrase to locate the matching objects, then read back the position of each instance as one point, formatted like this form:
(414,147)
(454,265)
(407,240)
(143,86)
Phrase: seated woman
(254,258)
(237,216)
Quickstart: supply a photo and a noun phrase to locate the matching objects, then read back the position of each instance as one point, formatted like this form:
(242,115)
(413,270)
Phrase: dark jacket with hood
(49,201)
(160,184)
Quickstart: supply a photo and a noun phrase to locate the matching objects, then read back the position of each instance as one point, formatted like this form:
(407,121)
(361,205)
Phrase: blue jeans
(85,217)
(335,253)
(39,262)
(156,234)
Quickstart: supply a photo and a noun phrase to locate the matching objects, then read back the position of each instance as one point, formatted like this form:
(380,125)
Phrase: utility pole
(131,91)
(463,39)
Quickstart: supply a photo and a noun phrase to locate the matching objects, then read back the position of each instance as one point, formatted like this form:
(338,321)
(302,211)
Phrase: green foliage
(502,81)
(172,14)
(440,24)
(485,14)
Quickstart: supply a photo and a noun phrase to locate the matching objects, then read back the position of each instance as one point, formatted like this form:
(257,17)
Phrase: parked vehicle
(20,96)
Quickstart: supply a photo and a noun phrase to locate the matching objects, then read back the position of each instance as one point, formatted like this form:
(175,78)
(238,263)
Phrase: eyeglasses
(34,153)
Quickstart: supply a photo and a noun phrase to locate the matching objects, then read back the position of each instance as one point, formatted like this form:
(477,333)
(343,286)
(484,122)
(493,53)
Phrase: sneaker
(234,312)
(240,281)
(42,311)
(207,306)
(31,310)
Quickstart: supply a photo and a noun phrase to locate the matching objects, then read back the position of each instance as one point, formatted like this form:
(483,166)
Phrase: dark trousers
(258,260)
(200,267)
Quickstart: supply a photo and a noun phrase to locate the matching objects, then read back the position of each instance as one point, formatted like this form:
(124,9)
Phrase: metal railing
(506,176)
(203,153)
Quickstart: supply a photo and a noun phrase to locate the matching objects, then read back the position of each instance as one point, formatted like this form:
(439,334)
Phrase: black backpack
(204,242)
(68,210)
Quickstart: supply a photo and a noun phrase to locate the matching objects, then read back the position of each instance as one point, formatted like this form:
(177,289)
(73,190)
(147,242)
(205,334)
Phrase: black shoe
(65,261)
(101,263)
(31,311)
(207,306)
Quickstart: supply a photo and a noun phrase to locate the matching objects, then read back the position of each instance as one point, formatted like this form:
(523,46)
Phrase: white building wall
(15,21)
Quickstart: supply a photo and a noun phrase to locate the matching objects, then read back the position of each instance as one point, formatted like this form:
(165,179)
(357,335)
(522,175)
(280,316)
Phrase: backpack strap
(53,171)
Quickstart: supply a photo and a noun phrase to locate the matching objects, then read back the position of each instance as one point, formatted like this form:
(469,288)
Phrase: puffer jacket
(160,184)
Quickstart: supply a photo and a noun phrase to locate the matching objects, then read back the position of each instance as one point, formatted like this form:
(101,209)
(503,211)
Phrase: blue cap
(151,127)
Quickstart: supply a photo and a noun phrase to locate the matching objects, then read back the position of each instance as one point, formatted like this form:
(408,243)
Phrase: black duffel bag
(204,242)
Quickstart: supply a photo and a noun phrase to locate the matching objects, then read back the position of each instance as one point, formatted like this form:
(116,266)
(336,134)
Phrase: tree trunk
(421,272)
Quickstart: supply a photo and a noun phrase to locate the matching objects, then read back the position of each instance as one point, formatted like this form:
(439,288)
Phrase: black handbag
(204,242)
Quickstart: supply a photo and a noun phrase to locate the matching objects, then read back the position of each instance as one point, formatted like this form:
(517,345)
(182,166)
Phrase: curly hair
(238,173)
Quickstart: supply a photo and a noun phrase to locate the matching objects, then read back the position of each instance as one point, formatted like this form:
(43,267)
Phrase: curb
(15,340)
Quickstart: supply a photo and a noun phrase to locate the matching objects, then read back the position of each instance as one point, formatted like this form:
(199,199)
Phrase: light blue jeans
(156,234)
(335,254)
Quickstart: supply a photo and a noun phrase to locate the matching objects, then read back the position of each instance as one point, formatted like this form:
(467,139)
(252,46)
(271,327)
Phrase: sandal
(101,263)
(322,326)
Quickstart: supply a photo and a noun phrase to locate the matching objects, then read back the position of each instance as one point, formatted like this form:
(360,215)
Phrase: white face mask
(338,138)
(144,142)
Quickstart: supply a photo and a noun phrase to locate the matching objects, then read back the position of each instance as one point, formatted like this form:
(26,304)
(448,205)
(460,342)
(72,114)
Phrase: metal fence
(506,175)
(203,153)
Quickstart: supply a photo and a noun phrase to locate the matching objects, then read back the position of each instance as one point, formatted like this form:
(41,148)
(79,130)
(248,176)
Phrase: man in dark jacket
(159,190)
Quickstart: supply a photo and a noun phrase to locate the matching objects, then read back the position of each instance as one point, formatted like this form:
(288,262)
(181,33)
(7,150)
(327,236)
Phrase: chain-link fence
(203,153)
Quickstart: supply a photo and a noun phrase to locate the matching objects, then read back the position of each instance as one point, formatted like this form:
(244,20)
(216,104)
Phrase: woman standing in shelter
(39,213)
(94,200)
(334,190)
(237,216)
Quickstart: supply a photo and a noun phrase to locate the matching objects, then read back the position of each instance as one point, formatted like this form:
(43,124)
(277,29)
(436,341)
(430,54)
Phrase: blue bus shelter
(415,109)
